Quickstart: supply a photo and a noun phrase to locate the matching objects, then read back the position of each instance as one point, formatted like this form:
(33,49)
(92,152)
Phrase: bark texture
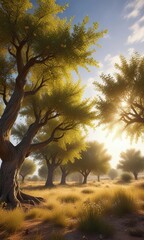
(10,193)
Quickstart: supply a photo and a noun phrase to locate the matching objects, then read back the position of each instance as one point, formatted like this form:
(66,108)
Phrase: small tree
(112,173)
(132,161)
(95,159)
(28,168)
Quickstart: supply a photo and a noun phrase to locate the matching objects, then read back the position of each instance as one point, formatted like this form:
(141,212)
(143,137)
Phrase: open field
(94,211)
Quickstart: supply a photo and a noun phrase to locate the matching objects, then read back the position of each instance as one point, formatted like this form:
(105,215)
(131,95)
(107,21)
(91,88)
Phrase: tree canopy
(132,161)
(121,102)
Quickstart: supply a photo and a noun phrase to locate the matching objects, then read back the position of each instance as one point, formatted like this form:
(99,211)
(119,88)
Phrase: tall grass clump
(90,220)
(57,218)
(126,177)
(69,198)
(36,213)
(87,191)
(124,203)
(11,221)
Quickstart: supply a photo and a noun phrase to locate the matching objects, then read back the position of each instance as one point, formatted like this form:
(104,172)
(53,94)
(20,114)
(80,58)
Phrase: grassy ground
(105,210)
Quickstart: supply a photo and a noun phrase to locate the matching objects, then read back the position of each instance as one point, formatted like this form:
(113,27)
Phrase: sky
(124,20)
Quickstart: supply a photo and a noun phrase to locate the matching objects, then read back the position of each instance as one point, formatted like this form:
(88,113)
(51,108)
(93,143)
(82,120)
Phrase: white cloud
(134,8)
(131,51)
(90,82)
(112,59)
(100,65)
(137,34)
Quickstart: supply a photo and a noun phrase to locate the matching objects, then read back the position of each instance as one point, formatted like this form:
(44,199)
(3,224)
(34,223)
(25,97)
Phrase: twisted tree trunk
(10,192)
(8,183)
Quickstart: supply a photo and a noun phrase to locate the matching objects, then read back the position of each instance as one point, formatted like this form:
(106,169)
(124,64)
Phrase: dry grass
(11,221)
(67,205)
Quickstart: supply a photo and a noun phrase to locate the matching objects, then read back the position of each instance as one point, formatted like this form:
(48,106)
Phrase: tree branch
(36,88)
(40,145)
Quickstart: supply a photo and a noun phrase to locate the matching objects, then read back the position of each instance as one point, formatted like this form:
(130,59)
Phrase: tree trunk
(49,181)
(135,175)
(63,178)
(85,179)
(10,193)
(98,178)
(9,184)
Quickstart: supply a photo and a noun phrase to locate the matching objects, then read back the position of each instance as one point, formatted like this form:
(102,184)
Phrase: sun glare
(114,145)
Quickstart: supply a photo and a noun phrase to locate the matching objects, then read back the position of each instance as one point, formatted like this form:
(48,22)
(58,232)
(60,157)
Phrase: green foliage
(47,38)
(120,102)
(131,161)
(65,150)
(39,51)
(91,221)
(95,158)
(28,168)
(126,177)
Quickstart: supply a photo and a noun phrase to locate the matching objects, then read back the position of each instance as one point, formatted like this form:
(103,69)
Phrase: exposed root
(30,199)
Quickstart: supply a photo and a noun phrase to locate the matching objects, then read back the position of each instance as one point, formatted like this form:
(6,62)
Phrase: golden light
(114,144)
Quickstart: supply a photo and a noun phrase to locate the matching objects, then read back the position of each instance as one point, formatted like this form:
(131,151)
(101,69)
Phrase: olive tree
(38,50)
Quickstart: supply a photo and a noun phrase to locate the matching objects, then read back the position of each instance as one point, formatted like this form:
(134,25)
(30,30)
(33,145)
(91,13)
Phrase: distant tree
(43,172)
(113,173)
(94,159)
(132,161)
(28,168)
(66,169)
(121,99)
(103,165)
(38,51)
(56,155)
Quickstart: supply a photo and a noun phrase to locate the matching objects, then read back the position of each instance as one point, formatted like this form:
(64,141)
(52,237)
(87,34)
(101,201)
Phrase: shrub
(123,203)
(126,177)
(91,221)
